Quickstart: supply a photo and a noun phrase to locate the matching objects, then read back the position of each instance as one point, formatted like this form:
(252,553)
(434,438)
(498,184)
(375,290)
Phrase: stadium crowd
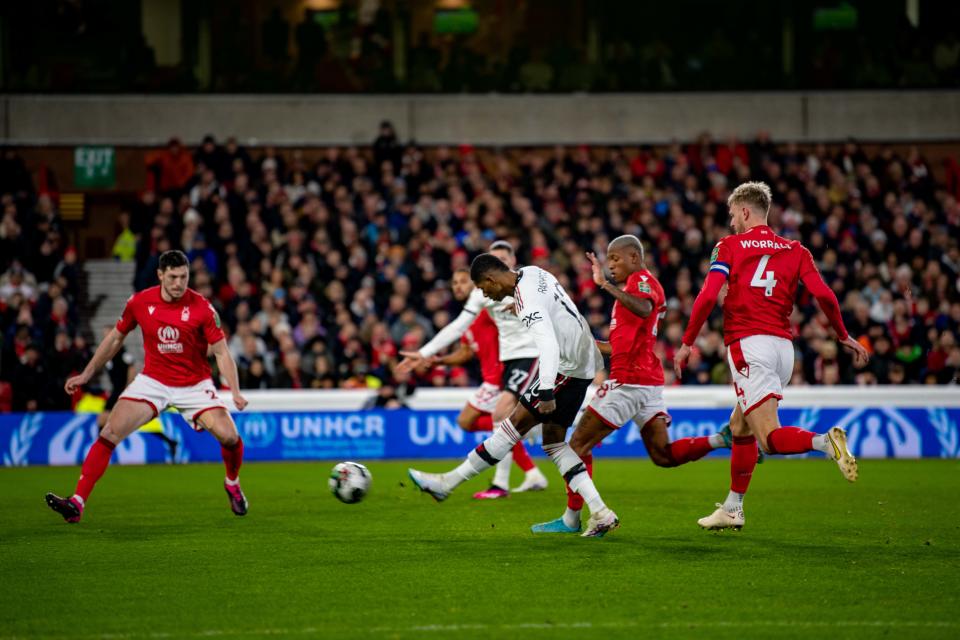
(324,270)
(39,290)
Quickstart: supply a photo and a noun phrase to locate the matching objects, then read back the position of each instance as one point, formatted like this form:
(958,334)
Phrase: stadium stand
(325,264)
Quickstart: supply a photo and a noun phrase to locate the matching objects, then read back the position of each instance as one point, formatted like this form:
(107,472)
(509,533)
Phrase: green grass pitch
(159,555)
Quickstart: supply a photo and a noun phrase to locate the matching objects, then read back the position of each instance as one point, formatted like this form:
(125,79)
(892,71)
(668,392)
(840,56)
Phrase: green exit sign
(94,167)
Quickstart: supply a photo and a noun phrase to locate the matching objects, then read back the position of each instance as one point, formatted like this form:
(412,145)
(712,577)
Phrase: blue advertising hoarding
(64,438)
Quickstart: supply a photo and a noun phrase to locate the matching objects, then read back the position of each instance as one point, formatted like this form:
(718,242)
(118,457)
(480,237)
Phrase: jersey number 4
(764,280)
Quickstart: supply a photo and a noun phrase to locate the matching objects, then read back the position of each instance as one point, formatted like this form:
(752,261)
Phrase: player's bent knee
(230,439)
(108,433)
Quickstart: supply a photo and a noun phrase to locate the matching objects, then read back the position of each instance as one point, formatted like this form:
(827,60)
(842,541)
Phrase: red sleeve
(703,305)
(721,258)
(814,283)
(211,326)
(807,265)
(127,321)
(640,288)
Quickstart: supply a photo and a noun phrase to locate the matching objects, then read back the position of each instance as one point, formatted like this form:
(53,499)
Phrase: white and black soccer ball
(350,482)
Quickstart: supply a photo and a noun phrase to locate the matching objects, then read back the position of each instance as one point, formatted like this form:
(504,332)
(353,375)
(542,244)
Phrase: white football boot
(430,483)
(723,519)
(600,523)
(534,480)
(838,452)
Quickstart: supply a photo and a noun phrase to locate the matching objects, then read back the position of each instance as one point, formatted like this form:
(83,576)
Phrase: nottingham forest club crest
(185,314)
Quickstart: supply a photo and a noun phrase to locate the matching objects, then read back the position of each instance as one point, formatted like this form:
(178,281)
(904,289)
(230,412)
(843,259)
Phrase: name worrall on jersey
(763,244)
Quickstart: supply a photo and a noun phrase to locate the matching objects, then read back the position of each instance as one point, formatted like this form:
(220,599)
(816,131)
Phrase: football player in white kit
(569,361)
(518,352)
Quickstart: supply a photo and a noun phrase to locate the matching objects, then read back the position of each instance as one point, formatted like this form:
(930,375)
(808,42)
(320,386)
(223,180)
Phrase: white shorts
(761,367)
(189,401)
(616,404)
(485,397)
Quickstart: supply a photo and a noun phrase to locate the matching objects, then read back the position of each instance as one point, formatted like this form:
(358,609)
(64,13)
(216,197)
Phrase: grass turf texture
(160,555)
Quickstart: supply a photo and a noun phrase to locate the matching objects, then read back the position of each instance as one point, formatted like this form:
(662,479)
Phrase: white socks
(821,443)
(734,502)
(501,476)
(492,450)
(716,441)
(575,473)
(571,518)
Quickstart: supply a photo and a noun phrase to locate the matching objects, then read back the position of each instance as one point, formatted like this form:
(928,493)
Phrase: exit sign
(94,167)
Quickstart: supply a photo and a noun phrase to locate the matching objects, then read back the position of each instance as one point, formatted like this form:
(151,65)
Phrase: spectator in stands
(17,280)
(212,157)
(125,246)
(31,386)
(170,168)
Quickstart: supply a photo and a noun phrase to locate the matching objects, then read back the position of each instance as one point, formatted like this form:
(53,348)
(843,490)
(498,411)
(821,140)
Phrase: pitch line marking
(441,628)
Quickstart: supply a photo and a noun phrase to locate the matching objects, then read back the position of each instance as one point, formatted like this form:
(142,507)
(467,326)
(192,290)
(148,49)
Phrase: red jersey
(483,338)
(175,335)
(632,338)
(763,270)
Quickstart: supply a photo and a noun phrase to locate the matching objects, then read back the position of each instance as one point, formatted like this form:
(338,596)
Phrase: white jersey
(562,335)
(515,341)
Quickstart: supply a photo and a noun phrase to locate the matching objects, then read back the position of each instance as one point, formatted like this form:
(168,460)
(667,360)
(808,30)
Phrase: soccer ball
(350,481)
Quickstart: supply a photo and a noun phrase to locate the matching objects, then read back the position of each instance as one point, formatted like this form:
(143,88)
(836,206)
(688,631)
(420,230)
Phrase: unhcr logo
(259,430)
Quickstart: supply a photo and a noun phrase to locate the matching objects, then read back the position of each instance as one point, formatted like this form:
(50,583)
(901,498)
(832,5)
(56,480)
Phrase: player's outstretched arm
(642,307)
(105,351)
(228,368)
(462,355)
(604,348)
(446,336)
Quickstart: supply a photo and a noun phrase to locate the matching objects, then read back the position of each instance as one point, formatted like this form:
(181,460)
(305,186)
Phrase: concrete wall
(481,119)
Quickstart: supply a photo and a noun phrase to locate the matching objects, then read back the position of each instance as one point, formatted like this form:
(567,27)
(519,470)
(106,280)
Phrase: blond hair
(753,194)
(627,241)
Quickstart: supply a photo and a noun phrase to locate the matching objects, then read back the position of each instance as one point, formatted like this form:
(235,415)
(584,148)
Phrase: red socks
(232,459)
(790,440)
(93,466)
(483,423)
(522,458)
(99,457)
(689,449)
(743,459)
(574,501)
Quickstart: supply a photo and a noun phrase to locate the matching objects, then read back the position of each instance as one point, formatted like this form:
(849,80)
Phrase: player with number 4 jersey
(762,272)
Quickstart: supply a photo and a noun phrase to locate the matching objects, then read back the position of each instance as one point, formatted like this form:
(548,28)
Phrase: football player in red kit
(634,390)
(762,272)
(178,325)
(482,340)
